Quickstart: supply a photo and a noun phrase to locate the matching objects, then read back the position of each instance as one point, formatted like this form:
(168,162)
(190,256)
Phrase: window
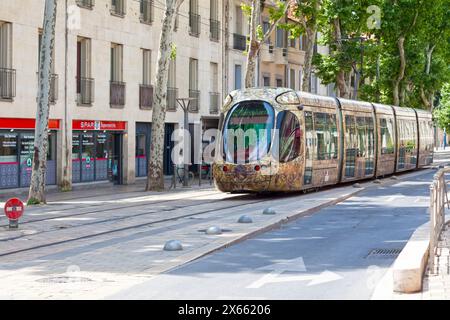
(313,85)
(351,142)
(247,133)
(146,66)
(194,18)
(280,38)
(7,74)
(89,4)
(118,7)
(292,79)
(266,27)
(292,42)
(85,84)
(288,147)
(193,84)
(237,76)
(279,82)
(326,133)
(387,136)
(266,81)
(146,11)
(214,20)
(239,18)
(116,62)
(52,67)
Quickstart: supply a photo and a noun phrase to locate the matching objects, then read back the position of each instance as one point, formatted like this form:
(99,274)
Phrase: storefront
(16,152)
(143,140)
(97,151)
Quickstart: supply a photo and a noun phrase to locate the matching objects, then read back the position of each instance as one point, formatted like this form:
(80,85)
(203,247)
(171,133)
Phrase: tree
(307,14)
(442,112)
(37,186)
(257,36)
(155,179)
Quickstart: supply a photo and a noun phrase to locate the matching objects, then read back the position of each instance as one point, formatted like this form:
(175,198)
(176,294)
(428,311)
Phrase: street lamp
(184,103)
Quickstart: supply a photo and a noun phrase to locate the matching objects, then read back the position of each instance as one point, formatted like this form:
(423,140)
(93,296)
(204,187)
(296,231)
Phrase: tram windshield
(247,131)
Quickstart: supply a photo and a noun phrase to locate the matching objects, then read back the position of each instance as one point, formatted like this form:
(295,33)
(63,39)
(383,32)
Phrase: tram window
(247,131)
(408,135)
(326,132)
(387,134)
(309,138)
(289,133)
(362,136)
(350,132)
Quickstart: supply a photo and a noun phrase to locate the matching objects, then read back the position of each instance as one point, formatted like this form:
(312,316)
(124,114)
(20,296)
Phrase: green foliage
(173,51)
(424,24)
(33,202)
(442,112)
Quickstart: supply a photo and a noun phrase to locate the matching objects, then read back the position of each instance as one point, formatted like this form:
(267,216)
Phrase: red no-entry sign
(14,209)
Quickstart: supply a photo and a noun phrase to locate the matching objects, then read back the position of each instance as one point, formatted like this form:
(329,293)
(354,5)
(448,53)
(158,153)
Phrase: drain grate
(384,253)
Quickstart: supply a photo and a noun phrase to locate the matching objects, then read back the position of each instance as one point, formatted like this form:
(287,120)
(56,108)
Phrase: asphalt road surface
(331,254)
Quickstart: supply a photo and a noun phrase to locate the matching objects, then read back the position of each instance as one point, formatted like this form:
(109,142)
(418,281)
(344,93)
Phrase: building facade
(103,77)
(102,84)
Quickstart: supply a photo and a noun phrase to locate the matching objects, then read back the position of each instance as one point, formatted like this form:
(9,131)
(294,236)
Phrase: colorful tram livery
(318,141)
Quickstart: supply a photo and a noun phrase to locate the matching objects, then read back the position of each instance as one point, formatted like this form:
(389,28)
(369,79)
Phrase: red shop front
(97,150)
(16,152)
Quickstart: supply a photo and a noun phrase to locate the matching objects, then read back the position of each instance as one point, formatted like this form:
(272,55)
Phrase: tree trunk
(37,186)
(427,101)
(401,74)
(341,83)
(309,53)
(253,51)
(155,179)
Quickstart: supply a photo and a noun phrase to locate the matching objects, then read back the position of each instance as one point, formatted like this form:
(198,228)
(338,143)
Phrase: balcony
(147,11)
(117,94)
(239,42)
(195,104)
(214,27)
(118,8)
(7,83)
(214,102)
(88,4)
(85,91)
(267,54)
(281,56)
(194,24)
(296,56)
(172,95)
(145,96)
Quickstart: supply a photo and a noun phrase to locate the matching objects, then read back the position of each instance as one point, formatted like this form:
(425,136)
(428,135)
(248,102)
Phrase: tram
(280,140)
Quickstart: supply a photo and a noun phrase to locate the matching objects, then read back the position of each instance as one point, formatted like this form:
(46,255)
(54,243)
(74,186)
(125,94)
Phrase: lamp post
(184,103)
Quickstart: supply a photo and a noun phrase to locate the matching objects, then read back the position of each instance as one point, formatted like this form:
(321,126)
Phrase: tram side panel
(386,135)
(426,138)
(408,142)
(359,140)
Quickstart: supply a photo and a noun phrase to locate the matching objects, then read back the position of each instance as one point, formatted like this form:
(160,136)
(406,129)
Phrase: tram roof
(285,98)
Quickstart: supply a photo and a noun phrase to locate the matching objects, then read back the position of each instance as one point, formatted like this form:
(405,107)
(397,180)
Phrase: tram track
(159,202)
(129,227)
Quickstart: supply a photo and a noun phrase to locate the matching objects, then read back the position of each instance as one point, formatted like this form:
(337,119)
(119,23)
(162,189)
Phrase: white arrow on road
(315,279)
(293,265)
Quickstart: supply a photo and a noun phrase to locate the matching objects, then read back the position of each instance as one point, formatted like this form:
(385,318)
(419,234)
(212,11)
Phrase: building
(102,109)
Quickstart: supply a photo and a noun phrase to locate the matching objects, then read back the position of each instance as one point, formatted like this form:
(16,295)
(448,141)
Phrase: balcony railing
(118,8)
(7,83)
(195,104)
(145,96)
(88,4)
(214,102)
(147,11)
(117,94)
(239,42)
(194,24)
(214,28)
(172,95)
(85,91)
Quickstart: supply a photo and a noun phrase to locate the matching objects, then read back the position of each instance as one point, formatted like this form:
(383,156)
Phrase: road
(323,256)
